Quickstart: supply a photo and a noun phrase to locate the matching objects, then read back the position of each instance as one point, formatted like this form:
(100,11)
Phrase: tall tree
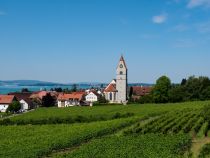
(131,92)
(48,100)
(14,107)
(74,88)
(161,90)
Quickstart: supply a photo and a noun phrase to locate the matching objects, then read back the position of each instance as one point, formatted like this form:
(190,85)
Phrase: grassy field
(97,113)
(106,131)
(152,146)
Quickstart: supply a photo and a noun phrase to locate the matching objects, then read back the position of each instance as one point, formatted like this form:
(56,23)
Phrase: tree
(146,99)
(161,90)
(176,94)
(131,92)
(23,90)
(48,100)
(184,81)
(14,107)
(102,99)
(74,88)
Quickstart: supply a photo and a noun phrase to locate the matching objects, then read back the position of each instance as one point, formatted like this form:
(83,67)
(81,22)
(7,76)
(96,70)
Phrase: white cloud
(159,19)
(198,3)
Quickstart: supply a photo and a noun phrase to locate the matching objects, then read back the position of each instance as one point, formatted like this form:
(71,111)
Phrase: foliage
(182,121)
(36,141)
(176,94)
(161,90)
(59,89)
(74,88)
(102,112)
(144,146)
(14,107)
(145,99)
(102,99)
(48,100)
(23,90)
(205,151)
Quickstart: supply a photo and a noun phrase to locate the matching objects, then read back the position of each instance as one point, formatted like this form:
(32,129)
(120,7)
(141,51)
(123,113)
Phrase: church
(116,91)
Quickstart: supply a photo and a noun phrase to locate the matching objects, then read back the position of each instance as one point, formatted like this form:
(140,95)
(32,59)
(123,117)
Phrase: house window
(121,72)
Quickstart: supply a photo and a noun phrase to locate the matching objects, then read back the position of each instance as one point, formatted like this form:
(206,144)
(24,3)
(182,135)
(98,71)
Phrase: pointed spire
(122,59)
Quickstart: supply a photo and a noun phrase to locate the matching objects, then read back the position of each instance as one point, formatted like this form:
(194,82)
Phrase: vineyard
(167,130)
(189,121)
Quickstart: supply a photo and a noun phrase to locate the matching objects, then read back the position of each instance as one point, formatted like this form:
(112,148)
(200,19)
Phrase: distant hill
(44,83)
(27,83)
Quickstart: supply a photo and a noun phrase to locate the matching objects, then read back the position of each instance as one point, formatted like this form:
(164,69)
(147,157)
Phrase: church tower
(121,81)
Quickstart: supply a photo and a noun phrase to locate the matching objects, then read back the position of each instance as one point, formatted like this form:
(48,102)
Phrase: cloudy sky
(82,40)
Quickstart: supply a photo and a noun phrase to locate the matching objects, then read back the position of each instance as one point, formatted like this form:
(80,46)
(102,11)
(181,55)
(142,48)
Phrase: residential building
(72,99)
(91,97)
(5,101)
(139,91)
(24,99)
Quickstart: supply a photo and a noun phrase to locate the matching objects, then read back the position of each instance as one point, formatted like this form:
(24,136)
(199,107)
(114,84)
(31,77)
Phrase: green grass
(97,113)
(37,140)
(143,146)
(55,132)
(205,151)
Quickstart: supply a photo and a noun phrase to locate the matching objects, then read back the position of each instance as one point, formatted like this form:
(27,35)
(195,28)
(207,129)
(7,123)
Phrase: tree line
(191,89)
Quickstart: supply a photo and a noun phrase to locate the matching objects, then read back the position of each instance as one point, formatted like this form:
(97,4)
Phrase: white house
(5,101)
(72,99)
(24,99)
(91,97)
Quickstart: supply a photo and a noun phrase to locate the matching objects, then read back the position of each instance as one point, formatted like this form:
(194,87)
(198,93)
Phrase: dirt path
(197,144)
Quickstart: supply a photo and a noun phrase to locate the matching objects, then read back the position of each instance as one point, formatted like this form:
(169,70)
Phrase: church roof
(111,87)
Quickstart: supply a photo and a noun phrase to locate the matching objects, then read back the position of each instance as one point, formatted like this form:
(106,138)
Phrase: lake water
(14,88)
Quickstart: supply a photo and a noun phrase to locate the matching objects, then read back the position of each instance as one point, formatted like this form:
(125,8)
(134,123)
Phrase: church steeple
(123,61)
(121,81)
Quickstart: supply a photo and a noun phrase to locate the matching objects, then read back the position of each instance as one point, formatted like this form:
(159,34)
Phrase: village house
(91,97)
(24,99)
(37,97)
(5,101)
(72,99)
(140,91)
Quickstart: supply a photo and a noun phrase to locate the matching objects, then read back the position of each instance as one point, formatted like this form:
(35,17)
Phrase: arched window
(110,96)
(121,73)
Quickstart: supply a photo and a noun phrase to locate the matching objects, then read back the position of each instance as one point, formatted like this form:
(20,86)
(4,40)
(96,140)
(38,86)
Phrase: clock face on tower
(121,66)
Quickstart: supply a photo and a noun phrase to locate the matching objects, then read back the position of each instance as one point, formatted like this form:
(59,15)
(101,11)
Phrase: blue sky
(82,40)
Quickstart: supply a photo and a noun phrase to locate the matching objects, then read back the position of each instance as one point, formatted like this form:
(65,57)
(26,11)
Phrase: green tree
(14,107)
(131,92)
(74,88)
(146,99)
(23,90)
(176,94)
(48,100)
(161,90)
(102,99)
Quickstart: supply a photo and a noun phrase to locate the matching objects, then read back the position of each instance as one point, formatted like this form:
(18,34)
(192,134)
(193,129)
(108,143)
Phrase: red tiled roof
(73,95)
(41,94)
(6,99)
(22,96)
(111,88)
(141,90)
